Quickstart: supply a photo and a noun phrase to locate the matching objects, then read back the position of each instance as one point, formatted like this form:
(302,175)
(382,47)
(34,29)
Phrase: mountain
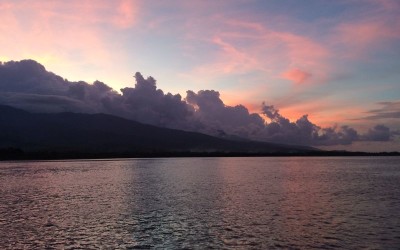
(101,133)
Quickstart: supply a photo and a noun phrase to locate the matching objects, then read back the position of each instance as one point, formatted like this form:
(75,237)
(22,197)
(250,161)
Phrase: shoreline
(16,154)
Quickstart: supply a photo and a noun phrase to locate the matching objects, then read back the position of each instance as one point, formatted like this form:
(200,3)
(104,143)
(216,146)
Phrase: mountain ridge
(103,133)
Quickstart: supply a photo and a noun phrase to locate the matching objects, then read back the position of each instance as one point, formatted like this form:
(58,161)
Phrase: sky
(336,61)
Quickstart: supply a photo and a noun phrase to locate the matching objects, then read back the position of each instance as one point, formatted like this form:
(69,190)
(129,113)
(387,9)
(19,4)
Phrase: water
(258,203)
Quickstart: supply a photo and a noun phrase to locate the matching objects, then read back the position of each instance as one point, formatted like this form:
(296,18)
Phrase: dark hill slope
(110,134)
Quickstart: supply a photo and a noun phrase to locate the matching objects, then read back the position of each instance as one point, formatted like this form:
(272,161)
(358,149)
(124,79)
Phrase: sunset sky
(337,61)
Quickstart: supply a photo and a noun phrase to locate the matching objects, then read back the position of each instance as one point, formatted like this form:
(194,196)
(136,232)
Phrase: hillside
(101,133)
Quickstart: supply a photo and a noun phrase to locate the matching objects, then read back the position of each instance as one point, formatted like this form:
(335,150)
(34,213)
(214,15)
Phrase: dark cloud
(28,76)
(343,135)
(43,103)
(280,129)
(27,85)
(148,104)
(378,133)
(219,118)
(388,110)
(304,132)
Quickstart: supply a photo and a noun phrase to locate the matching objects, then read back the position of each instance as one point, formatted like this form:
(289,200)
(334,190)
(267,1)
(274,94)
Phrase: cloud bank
(26,84)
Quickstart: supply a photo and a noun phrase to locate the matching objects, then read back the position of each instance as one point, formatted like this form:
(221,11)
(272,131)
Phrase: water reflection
(56,204)
(202,203)
(173,203)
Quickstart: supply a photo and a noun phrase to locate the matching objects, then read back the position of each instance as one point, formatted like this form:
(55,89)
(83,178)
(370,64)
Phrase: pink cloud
(296,75)
(72,38)
(359,37)
(325,112)
(126,14)
(120,13)
(233,58)
(245,47)
(388,5)
(372,31)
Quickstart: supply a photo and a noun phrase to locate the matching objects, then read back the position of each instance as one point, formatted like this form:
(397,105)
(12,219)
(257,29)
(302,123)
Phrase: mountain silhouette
(101,133)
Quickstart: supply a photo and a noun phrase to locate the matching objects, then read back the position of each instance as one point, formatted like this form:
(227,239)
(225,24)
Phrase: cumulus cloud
(218,118)
(28,76)
(148,104)
(303,131)
(27,85)
(378,133)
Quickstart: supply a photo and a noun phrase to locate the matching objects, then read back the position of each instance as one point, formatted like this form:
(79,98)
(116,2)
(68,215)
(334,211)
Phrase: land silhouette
(25,135)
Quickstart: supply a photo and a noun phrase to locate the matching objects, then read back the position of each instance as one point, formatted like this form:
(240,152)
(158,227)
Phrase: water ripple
(251,203)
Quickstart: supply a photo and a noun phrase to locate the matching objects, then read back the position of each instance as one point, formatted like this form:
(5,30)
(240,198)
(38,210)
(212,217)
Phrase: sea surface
(199,203)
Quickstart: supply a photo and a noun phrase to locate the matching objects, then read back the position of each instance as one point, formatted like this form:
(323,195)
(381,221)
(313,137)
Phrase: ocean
(198,203)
